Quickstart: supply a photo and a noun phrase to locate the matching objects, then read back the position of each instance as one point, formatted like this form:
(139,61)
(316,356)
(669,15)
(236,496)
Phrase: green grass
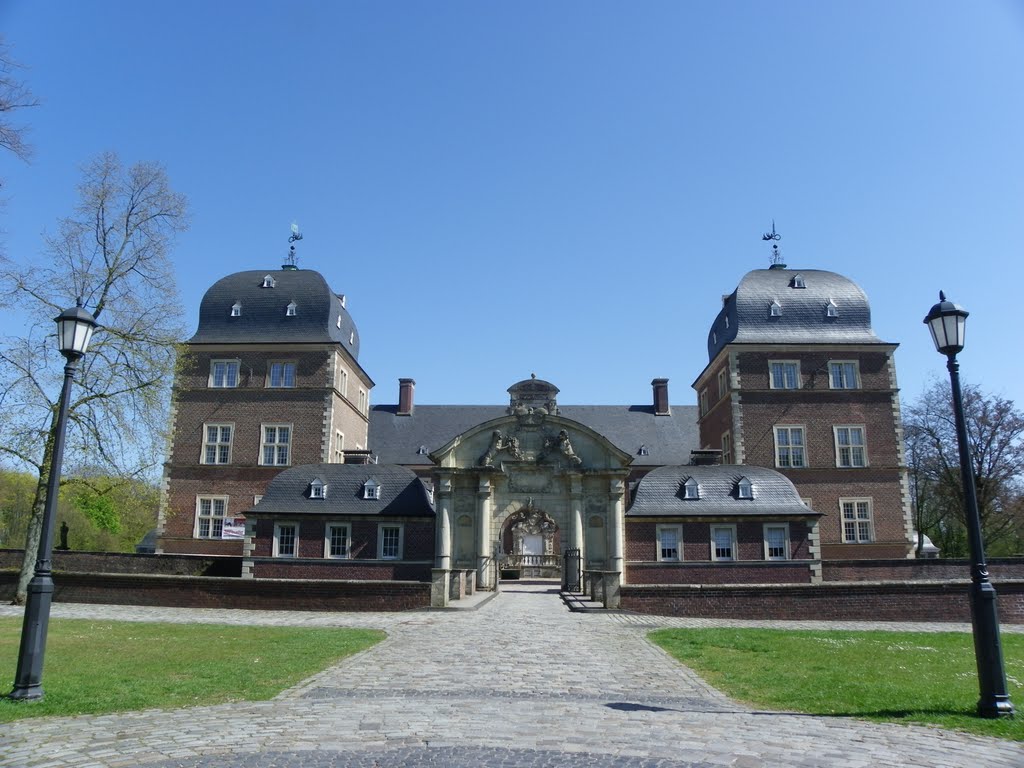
(892,676)
(94,667)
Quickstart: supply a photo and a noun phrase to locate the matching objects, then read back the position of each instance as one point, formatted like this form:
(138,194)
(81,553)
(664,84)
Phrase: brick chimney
(661,407)
(406,387)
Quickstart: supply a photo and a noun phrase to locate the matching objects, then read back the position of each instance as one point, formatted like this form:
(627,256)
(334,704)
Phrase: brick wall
(783,572)
(840,602)
(642,543)
(376,570)
(206,592)
(417,537)
(118,562)
(918,570)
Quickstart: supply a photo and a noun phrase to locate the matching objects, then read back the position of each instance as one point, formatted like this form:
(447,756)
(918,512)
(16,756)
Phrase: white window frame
(727,447)
(268,282)
(217,444)
(831,310)
(212,516)
(703,399)
(785,538)
(371,489)
(284,366)
(677,530)
(847,369)
(691,489)
(291,310)
(380,541)
(277,540)
(744,489)
(789,446)
(863,526)
(236,309)
(329,536)
(364,401)
(344,383)
(228,364)
(799,282)
(339,447)
(318,489)
(851,447)
(732,548)
(775,309)
(264,444)
(784,378)
(723,383)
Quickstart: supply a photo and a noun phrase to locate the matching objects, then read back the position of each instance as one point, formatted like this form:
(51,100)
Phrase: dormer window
(798,281)
(643,451)
(714,337)
(421,451)
(691,490)
(371,489)
(831,310)
(290,311)
(351,336)
(726,321)
(339,322)
(317,489)
(268,282)
(236,309)
(744,489)
(775,310)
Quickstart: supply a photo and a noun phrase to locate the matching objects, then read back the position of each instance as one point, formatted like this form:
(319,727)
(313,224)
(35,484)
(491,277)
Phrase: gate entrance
(530,542)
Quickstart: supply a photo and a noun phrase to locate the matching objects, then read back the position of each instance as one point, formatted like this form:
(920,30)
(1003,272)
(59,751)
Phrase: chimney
(406,387)
(661,407)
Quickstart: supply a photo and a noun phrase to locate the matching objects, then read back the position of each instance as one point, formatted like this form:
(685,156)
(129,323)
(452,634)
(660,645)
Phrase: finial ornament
(293,238)
(776,253)
(942,296)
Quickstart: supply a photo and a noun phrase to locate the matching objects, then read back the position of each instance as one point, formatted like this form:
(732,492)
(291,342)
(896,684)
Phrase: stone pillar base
(439,580)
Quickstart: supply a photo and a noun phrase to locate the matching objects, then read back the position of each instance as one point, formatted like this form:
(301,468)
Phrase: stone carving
(559,445)
(499,443)
(530,521)
(530,481)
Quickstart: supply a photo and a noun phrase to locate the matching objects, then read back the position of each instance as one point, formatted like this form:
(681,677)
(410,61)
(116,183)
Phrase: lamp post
(946,321)
(74,330)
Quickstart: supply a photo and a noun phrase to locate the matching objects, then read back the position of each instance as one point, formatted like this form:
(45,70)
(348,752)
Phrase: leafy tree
(113,252)
(995,432)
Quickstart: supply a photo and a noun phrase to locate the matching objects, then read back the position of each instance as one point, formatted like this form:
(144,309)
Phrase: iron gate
(571,571)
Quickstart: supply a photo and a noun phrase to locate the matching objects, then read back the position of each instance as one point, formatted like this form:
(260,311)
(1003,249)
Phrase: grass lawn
(93,667)
(895,676)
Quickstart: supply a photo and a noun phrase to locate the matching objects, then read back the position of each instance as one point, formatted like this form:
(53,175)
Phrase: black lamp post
(74,330)
(946,321)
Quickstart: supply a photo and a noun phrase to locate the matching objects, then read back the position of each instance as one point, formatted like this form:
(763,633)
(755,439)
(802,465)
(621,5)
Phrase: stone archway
(531,543)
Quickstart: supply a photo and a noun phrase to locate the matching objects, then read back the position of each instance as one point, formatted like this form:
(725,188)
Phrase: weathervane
(773,235)
(295,235)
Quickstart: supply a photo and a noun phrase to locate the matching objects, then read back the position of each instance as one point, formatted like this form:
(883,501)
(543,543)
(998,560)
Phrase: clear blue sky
(561,188)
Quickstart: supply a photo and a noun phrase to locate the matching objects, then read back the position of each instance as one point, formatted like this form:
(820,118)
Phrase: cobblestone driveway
(519,682)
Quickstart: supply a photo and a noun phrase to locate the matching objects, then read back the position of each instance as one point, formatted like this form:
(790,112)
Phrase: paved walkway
(519,682)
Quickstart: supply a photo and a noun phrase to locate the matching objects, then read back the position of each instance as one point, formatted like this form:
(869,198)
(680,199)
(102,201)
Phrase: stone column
(576,516)
(443,525)
(483,519)
(617,523)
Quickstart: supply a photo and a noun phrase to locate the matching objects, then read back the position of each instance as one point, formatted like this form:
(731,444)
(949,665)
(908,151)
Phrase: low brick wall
(945,569)
(770,572)
(123,562)
(220,592)
(883,601)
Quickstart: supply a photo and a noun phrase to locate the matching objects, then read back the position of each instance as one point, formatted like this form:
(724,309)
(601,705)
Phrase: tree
(14,95)
(112,253)
(995,432)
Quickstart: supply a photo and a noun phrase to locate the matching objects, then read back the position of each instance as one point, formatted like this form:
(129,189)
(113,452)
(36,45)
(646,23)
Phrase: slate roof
(660,493)
(668,439)
(745,316)
(402,494)
(263,318)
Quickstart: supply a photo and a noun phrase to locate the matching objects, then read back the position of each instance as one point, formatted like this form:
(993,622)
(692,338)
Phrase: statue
(499,443)
(64,536)
(560,444)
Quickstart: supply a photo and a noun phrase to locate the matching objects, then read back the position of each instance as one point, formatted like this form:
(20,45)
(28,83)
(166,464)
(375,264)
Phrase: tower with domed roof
(797,380)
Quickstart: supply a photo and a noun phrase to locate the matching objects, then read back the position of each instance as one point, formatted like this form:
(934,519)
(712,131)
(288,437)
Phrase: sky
(566,189)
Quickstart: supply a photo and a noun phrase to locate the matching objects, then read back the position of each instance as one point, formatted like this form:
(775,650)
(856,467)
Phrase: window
(216,444)
(789,447)
(703,402)
(317,489)
(351,338)
(691,489)
(831,310)
(363,402)
(339,447)
(371,489)
(343,382)
(776,541)
(290,311)
(275,450)
(268,282)
(281,375)
(850,448)
(723,382)
(210,514)
(726,448)
(744,488)
(775,309)
(257,499)
(842,374)
(856,520)
(337,541)
(798,281)
(670,538)
(236,309)
(723,542)
(286,540)
(224,373)
(339,322)
(390,538)
(785,374)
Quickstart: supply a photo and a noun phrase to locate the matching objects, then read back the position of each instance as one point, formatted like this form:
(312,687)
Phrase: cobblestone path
(519,682)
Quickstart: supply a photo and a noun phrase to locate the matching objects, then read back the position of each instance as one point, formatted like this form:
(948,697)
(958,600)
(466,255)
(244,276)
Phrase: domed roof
(789,306)
(282,305)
